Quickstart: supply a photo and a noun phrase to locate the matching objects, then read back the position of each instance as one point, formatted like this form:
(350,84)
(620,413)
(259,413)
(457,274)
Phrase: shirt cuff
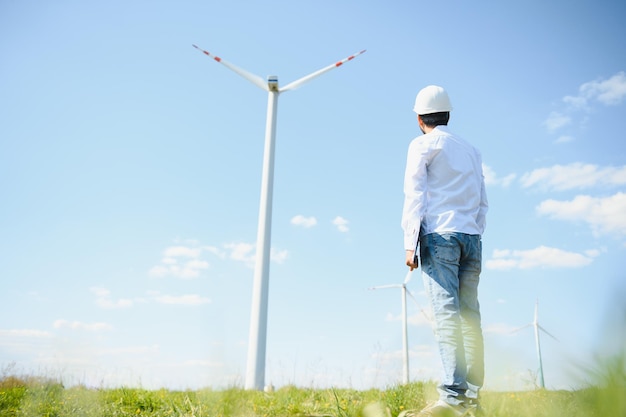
(410,241)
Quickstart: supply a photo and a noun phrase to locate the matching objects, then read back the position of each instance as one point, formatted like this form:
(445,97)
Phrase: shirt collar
(443,128)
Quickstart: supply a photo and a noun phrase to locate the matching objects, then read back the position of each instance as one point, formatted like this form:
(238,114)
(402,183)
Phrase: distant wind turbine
(538,327)
(255,372)
(405,333)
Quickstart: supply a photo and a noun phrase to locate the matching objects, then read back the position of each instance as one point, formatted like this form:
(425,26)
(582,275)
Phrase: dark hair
(435,119)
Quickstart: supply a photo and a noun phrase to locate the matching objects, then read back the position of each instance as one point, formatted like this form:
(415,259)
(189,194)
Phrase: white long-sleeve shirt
(444,187)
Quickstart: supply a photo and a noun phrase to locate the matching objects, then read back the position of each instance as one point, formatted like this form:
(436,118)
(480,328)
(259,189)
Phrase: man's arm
(484,205)
(414,196)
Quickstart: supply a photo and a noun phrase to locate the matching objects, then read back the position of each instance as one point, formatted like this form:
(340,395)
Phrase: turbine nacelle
(272,83)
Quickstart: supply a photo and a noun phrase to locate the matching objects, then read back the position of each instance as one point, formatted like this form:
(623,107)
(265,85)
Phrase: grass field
(33,396)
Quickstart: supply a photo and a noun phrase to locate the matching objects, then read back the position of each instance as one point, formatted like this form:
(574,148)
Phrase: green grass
(37,396)
(45,397)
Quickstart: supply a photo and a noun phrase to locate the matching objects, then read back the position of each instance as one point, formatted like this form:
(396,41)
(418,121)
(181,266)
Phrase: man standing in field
(444,215)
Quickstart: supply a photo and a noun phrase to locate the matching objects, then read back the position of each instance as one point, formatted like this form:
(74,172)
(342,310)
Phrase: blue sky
(130,172)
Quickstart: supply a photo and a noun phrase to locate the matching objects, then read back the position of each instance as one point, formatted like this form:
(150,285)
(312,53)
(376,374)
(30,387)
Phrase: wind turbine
(405,332)
(255,372)
(538,327)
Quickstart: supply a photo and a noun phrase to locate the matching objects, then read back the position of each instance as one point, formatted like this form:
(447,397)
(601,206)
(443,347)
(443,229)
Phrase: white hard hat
(432,99)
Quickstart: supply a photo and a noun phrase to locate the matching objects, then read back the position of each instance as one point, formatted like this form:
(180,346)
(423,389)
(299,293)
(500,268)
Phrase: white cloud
(341,223)
(180,262)
(185,262)
(305,222)
(564,139)
(189,299)
(215,251)
(197,264)
(181,251)
(77,325)
(103,299)
(575,175)
(169,261)
(576,102)
(604,215)
(492,179)
(110,304)
(417,319)
(592,253)
(188,270)
(244,252)
(556,121)
(159,271)
(25,341)
(608,92)
(279,255)
(30,333)
(100,292)
(540,257)
(605,92)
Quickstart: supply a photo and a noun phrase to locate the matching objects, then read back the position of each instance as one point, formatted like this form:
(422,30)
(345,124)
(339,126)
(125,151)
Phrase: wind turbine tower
(537,327)
(255,372)
(405,333)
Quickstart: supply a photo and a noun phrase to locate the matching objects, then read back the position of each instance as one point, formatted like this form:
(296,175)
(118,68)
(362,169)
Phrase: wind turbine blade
(408,277)
(547,332)
(254,79)
(414,299)
(522,328)
(385,286)
(426,315)
(295,84)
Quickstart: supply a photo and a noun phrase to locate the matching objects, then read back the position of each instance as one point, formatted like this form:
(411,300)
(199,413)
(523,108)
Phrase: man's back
(454,187)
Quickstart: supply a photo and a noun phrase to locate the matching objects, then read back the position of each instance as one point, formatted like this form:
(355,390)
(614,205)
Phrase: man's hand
(411,260)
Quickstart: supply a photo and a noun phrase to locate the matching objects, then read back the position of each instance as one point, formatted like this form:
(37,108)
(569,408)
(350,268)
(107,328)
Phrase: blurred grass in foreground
(33,396)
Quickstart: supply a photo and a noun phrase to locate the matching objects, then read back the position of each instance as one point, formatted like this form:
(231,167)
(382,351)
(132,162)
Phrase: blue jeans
(451,264)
